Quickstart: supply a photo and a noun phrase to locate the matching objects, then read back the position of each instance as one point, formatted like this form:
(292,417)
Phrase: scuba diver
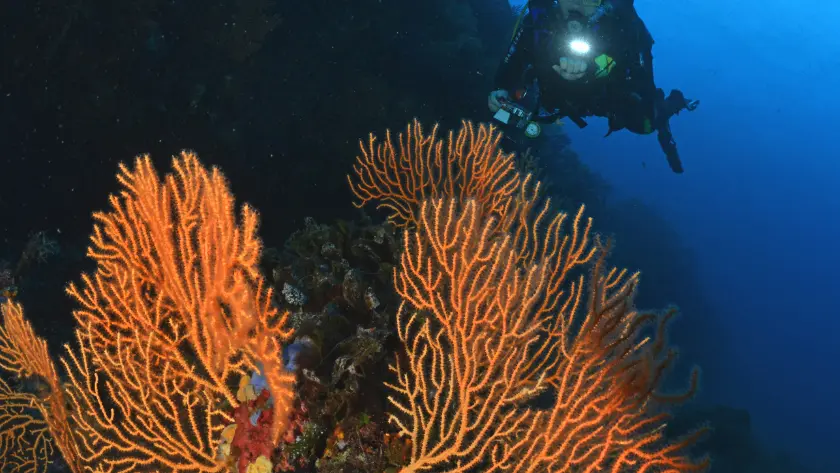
(578,58)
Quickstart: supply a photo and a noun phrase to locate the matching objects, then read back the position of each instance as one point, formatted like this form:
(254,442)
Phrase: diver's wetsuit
(623,91)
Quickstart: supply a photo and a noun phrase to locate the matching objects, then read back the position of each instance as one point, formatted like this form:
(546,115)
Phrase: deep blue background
(759,201)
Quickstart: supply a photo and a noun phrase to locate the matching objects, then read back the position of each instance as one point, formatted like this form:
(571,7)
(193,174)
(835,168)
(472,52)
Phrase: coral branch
(26,356)
(498,311)
(400,176)
(174,315)
(479,348)
(25,445)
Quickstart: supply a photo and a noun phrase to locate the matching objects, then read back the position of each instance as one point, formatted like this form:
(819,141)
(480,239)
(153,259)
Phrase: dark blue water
(758,203)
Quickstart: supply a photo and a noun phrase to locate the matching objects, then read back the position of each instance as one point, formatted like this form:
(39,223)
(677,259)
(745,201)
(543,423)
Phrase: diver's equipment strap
(522,12)
(580,122)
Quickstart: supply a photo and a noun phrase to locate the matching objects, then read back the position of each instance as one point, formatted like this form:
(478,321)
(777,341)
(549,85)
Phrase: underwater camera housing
(518,114)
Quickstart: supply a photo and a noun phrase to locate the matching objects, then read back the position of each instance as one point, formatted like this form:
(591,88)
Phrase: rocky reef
(336,282)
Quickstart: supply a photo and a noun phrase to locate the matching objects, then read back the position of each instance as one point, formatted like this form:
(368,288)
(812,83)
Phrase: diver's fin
(691,105)
(669,146)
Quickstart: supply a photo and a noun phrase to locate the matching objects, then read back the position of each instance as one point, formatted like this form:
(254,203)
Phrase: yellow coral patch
(246,390)
(228,433)
(260,465)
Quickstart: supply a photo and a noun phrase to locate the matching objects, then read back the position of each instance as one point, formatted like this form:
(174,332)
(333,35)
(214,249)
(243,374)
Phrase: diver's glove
(494,100)
(691,105)
(570,68)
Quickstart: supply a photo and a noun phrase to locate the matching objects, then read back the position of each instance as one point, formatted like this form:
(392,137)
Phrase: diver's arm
(519,55)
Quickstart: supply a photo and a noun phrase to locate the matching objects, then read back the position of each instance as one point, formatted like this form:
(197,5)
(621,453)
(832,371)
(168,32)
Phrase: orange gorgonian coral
(400,176)
(479,350)
(498,318)
(27,439)
(174,315)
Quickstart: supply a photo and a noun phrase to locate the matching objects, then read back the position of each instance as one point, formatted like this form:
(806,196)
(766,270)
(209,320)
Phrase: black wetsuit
(624,91)
(542,38)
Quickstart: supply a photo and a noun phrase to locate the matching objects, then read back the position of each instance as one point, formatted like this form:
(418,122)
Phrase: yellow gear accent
(605,65)
(519,21)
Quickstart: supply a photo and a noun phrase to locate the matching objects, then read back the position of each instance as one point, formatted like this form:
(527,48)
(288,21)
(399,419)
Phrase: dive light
(576,41)
(579,47)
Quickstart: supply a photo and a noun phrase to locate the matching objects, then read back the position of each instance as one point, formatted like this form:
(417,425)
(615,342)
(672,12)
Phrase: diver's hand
(570,68)
(493,101)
